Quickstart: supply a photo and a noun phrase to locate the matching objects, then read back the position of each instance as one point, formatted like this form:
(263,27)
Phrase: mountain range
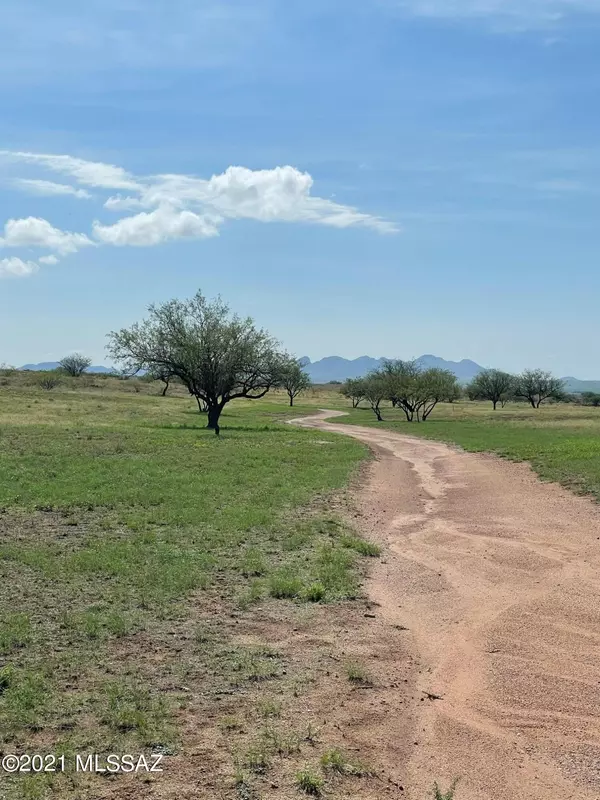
(335,368)
(44,366)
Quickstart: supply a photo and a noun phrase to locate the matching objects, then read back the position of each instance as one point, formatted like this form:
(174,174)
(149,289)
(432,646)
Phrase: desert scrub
(309,782)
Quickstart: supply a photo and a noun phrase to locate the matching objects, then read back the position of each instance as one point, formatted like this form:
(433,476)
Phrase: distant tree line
(590,399)
(417,391)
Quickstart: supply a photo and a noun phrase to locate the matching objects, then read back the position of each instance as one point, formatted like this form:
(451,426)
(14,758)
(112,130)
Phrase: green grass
(309,782)
(123,524)
(562,441)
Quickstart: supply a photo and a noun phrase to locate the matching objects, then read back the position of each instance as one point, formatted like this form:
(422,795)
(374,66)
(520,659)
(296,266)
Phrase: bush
(75,365)
(49,382)
(309,782)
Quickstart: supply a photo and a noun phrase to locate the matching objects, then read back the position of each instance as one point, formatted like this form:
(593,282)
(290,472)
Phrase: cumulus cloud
(269,195)
(49,188)
(520,14)
(161,225)
(172,206)
(16,268)
(36,232)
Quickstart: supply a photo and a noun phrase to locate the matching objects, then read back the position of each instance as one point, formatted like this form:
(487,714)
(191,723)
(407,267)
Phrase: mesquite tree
(434,386)
(375,392)
(294,380)
(493,385)
(217,355)
(401,378)
(409,387)
(535,386)
(75,365)
(354,390)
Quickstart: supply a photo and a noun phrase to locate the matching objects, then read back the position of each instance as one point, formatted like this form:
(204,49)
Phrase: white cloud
(513,14)
(36,232)
(177,206)
(88,173)
(268,195)
(161,225)
(52,260)
(16,268)
(49,188)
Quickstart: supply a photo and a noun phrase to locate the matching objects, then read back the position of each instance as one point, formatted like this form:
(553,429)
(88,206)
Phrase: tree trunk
(164,391)
(495,402)
(214,413)
(427,411)
(291,400)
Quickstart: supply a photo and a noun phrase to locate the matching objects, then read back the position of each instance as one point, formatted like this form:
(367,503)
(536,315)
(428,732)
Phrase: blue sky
(384,177)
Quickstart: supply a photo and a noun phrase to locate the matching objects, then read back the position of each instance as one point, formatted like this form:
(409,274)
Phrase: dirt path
(497,577)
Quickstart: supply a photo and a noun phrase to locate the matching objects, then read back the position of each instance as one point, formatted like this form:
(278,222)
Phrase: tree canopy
(493,385)
(536,386)
(217,355)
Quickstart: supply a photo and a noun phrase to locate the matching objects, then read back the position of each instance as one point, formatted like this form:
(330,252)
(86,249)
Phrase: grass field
(134,546)
(152,574)
(561,441)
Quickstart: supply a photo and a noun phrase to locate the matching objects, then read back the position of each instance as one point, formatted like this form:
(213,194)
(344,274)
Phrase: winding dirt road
(497,577)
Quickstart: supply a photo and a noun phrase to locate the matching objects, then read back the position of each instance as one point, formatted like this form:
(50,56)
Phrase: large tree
(493,385)
(401,378)
(294,380)
(415,390)
(536,386)
(217,355)
(75,365)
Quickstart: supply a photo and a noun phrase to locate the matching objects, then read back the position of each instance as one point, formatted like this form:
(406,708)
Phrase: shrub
(309,782)
(75,365)
(49,382)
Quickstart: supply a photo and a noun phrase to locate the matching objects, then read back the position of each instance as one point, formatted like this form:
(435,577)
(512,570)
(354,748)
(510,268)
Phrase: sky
(383,177)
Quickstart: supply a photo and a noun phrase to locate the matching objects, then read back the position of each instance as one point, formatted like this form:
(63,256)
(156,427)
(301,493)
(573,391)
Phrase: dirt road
(497,577)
